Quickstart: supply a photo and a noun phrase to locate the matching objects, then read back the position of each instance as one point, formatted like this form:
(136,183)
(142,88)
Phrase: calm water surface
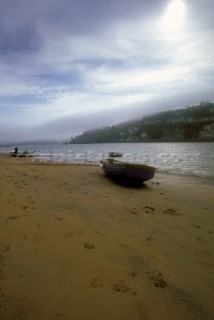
(182,158)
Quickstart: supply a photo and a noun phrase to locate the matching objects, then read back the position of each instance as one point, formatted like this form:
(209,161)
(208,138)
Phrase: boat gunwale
(113,162)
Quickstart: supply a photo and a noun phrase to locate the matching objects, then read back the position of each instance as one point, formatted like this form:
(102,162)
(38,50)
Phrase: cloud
(65,61)
(63,128)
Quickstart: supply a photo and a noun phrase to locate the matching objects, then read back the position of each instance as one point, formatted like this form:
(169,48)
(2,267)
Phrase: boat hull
(139,172)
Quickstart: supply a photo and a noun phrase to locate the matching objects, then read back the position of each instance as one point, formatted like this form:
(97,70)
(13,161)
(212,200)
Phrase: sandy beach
(75,245)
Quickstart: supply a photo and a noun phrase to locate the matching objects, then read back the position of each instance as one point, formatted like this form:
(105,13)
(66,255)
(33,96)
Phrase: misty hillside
(194,123)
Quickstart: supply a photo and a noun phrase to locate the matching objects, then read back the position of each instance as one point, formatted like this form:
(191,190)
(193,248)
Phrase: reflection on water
(184,158)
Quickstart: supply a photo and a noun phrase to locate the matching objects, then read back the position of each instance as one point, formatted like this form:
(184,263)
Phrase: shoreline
(37,161)
(75,244)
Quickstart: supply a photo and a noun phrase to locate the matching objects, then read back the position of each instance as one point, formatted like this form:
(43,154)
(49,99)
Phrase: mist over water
(181,158)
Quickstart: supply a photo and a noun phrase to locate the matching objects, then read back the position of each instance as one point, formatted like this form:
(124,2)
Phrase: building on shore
(207,133)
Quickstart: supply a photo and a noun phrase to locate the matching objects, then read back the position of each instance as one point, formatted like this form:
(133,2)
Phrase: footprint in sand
(59,218)
(120,286)
(172,212)
(131,273)
(195,226)
(3,305)
(133,211)
(99,233)
(4,247)
(199,239)
(149,210)
(96,283)
(149,240)
(157,279)
(88,246)
(3,256)
(13,218)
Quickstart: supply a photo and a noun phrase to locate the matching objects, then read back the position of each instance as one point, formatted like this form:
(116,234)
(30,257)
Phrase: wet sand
(75,245)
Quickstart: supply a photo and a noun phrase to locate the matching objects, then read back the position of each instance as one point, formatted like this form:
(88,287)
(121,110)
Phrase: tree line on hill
(186,124)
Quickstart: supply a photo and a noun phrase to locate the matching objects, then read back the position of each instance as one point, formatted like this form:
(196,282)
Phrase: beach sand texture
(75,245)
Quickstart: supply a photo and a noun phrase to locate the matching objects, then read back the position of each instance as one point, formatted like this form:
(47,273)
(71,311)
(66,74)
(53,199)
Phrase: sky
(67,66)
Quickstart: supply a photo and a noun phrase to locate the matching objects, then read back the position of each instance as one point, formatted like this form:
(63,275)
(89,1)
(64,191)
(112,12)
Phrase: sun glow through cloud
(174,15)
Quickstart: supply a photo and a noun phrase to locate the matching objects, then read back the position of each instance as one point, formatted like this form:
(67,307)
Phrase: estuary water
(181,158)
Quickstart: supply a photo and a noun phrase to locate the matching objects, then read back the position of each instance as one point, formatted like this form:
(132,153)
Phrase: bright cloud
(173,18)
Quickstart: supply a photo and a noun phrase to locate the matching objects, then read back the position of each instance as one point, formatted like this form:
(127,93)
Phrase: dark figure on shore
(15,150)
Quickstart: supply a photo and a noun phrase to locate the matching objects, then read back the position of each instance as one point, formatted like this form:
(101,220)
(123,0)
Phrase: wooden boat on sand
(134,171)
(115,154)
(24,154)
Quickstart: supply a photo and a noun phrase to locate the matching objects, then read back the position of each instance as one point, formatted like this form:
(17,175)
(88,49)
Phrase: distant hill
(195,123)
